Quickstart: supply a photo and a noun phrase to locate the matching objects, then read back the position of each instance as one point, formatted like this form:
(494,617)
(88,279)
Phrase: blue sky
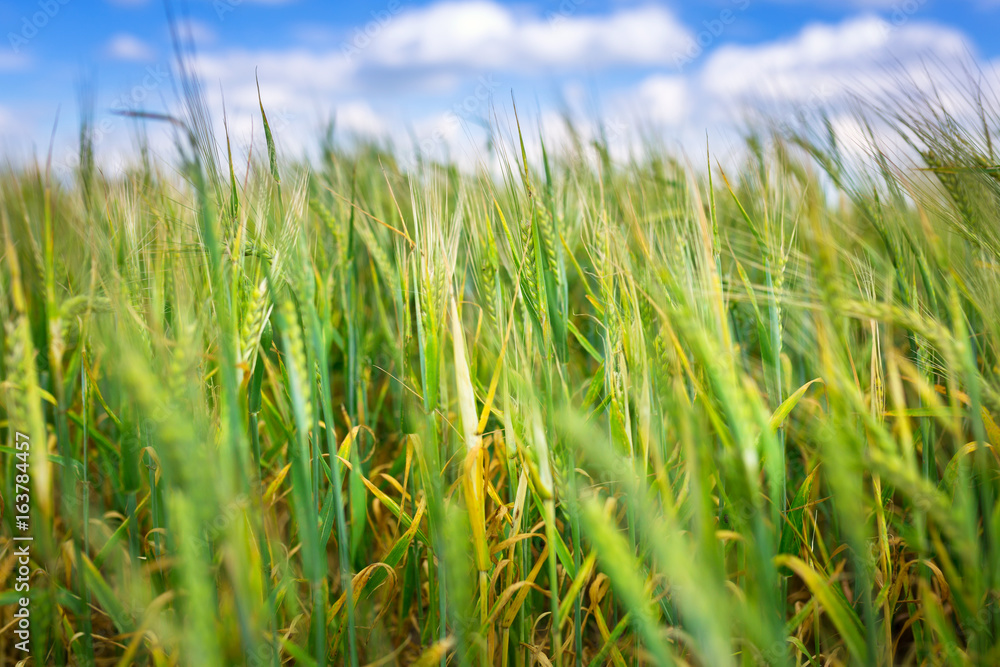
(429,71)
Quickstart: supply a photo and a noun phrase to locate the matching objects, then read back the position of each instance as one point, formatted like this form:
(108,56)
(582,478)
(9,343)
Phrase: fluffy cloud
(828,66)
(484,34)
(288,77)
(436,45)
(357,117)
(823,61)
(664,99)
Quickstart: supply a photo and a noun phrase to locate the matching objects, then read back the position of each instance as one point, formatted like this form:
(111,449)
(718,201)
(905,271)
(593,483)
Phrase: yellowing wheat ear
(473,482)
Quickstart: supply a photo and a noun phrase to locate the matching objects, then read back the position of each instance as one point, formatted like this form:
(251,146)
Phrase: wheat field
(574,410)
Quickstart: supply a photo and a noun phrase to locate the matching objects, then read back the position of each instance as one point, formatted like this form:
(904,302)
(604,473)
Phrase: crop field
(574,410)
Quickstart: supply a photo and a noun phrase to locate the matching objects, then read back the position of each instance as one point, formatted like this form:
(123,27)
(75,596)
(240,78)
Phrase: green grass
(572,413)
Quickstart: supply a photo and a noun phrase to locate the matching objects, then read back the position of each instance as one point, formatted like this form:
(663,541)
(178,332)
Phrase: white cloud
(823,61)
(297,88)
(286,77)
(485,34)
(664,99)
(128,47)
(432,49)
(358,117)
